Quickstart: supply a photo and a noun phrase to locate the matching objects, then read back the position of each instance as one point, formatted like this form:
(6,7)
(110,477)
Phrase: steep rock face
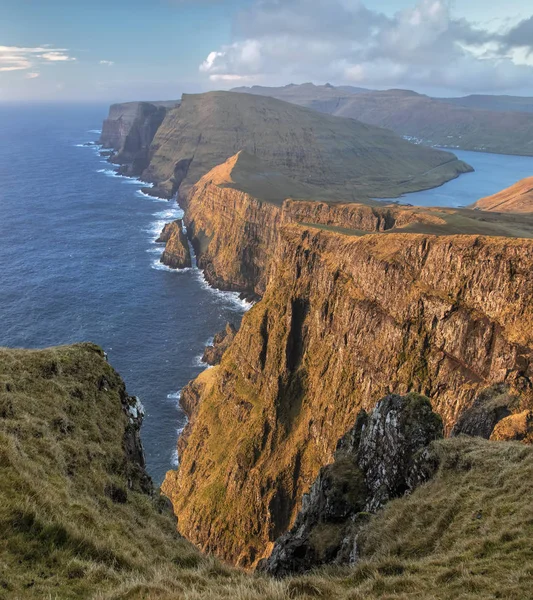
(235,234)
(177,254)
(385,455)
(221,342)
(130,129)
(344,321)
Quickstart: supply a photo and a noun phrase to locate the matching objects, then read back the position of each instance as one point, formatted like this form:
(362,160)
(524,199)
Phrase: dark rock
(213,353)
(384,456)
(491,406)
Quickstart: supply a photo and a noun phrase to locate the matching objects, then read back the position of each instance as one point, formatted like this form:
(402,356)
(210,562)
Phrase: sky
(118,50)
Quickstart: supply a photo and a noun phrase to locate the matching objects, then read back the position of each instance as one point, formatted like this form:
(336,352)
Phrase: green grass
(71,526)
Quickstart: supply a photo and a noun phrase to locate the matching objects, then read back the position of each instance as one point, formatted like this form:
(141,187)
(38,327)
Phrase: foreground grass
(74,522)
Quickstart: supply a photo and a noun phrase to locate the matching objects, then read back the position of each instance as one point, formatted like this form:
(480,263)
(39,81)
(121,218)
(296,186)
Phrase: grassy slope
(518,198)
(440,122)
(342,156)
(467,534)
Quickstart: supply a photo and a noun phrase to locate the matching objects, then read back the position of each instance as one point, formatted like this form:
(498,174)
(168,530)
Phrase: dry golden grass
(465,535)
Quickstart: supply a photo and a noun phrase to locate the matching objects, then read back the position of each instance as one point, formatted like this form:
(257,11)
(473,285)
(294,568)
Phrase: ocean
(78,260)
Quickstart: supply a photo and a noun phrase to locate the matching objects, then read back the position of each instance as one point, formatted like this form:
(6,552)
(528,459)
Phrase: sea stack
(177,254)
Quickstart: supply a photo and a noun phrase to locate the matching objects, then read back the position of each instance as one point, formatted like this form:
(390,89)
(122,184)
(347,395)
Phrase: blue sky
(96,50)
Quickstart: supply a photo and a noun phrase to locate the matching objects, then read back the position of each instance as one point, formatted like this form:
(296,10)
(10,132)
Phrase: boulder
(491,406)
(517,427)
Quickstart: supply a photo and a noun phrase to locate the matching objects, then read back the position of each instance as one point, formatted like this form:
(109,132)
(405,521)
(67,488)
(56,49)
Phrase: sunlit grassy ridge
(72,527)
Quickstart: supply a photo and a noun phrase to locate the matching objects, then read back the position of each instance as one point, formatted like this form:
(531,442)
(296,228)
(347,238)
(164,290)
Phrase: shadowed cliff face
(130,129)
(344,321)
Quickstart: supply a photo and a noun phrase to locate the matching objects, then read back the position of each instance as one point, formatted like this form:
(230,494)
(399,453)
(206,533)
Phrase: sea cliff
(358,300)
(344,320)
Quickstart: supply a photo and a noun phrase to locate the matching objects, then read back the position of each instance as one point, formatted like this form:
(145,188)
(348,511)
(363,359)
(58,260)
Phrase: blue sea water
(78,263)
(493,173)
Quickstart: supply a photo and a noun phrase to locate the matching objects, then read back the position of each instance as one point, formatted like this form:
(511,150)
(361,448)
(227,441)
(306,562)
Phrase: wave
(98,131)
(198,362)
(159,266)
(156,250)
(171,213)
(109,173)
(155,229)
(232,297)
(174,395)
(142,194)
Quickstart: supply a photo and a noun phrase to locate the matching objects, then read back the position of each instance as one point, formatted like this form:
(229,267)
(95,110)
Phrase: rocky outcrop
(344,320)
(176,254)
(130,129)
(517,198)
(384,456)
(221,342)
(517,427)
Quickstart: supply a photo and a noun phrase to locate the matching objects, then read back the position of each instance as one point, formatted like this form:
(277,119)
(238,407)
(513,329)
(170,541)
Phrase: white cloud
(19,58)
(344,41)
(32,75)
(56,56)
(108,63)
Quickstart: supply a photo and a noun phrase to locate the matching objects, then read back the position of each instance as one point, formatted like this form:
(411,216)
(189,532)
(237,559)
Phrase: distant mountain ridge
(481,123)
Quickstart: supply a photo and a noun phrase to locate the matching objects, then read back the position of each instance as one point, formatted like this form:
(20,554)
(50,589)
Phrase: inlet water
(493,173)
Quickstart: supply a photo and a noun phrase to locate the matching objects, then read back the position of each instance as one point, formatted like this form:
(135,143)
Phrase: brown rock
(518,427)
(221,342)
(177,254)
(344,321)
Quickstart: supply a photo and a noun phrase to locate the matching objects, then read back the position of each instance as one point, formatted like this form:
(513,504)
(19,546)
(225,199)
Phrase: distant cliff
(338,158)
(130,129)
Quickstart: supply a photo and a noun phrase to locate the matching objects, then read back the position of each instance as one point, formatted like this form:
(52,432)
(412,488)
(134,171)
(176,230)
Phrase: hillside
(489,102)
(342,157)
(517,198)
(436,122)
(78,519)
